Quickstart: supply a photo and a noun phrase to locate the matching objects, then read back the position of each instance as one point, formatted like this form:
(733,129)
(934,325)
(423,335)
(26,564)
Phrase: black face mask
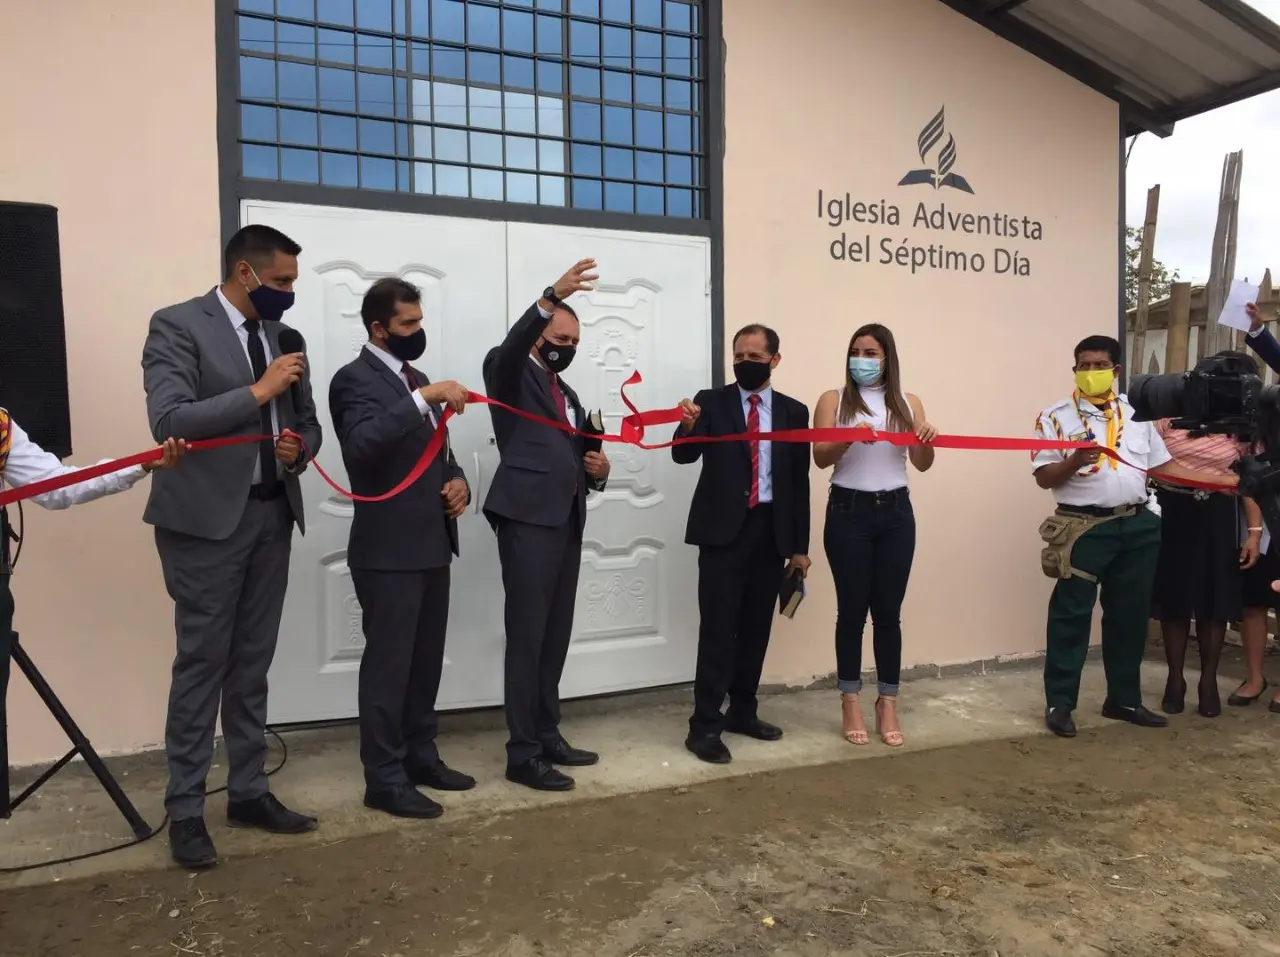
(556,357)
(752,375)
(407,348)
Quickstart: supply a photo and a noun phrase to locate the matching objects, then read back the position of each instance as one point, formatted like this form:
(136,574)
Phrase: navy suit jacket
(1265,345)
(382,435)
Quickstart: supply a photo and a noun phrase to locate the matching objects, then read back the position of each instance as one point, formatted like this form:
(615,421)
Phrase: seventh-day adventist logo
(940,174)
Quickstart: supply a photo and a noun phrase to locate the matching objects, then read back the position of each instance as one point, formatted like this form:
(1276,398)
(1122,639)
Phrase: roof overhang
(1161,60)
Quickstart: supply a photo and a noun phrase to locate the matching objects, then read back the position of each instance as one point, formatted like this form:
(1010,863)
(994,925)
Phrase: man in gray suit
(538,506)
(213,367)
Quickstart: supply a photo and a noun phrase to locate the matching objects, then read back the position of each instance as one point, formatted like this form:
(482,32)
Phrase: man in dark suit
(384,414)
(749,519)
(212,367)
(537,505)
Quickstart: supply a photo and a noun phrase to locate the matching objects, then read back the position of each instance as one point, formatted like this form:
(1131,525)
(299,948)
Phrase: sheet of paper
(1233,311)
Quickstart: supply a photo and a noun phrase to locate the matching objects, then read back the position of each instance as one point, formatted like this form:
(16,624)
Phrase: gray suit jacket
(199,386)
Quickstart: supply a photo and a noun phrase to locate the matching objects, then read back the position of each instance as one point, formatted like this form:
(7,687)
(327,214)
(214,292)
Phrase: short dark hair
(257,245)
(384,297)
(1100,344)
(771,340)
(569,309)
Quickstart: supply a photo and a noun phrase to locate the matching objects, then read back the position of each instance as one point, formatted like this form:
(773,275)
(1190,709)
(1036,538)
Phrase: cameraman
(23,462)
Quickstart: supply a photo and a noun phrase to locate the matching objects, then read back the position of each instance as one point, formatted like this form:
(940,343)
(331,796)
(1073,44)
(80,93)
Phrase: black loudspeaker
(33,339)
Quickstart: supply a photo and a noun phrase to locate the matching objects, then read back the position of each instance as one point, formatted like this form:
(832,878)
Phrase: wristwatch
(549,294)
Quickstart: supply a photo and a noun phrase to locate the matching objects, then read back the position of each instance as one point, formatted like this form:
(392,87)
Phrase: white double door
(636,621)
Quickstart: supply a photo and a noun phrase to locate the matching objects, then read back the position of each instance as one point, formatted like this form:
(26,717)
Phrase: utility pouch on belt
(1060,532)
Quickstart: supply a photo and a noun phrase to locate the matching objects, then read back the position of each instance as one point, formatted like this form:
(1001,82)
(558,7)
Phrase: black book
(594,425)
(791,593)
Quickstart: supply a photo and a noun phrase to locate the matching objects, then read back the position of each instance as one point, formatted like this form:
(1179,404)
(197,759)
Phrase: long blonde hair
(898,412)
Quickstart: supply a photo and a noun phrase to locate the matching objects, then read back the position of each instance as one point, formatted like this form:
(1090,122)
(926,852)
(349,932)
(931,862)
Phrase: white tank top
(870,467)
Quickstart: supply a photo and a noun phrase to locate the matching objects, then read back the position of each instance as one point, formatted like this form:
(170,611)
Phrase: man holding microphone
(214,366)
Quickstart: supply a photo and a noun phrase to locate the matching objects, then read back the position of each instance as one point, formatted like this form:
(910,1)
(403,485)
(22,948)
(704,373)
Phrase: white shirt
(533,357)
(238,323)
(766,425)
(873,466)
(397,366)
(1140,444)
(28,464)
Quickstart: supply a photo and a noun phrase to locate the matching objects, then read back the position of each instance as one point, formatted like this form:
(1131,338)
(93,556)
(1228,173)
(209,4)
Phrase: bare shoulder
(828,398)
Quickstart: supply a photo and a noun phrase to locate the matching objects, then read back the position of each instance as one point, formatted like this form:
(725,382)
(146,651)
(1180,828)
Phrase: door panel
(454,262)
(636,619)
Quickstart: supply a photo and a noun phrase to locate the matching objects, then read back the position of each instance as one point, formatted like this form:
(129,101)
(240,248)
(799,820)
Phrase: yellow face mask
(1096,382)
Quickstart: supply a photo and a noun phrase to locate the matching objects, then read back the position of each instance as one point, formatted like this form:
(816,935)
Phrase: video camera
(1222,395)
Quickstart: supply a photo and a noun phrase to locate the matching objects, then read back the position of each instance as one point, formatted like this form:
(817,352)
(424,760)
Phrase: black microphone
(291,341)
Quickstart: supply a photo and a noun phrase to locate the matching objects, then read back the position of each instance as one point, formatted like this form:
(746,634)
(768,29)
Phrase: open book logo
(940,173)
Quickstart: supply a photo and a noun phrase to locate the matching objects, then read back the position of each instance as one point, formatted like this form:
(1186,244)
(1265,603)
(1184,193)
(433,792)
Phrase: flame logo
(941,173)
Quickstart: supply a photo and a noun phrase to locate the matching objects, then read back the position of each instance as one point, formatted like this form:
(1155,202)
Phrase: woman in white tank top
(870,532)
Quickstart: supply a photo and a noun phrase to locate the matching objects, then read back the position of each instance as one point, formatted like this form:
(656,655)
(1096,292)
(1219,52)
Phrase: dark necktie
(558,395)
(753,425)
(410,377)
(258,362)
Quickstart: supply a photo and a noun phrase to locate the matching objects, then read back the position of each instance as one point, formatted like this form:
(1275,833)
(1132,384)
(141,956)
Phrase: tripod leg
(81,744)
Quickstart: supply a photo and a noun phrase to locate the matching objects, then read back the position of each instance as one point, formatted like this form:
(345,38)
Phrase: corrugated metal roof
(1161,60)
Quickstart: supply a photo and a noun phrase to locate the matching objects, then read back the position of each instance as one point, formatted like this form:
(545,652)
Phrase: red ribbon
(631,433)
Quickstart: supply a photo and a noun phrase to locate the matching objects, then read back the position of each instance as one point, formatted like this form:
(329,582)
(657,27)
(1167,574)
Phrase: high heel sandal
(851,712)
(893,739)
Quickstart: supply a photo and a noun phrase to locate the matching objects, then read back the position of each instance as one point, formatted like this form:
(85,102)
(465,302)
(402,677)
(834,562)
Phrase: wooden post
(1145,261)
(1178,342)
(1223,254)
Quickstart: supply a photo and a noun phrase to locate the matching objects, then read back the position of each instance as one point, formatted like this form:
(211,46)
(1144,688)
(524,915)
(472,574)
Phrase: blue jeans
(870,541)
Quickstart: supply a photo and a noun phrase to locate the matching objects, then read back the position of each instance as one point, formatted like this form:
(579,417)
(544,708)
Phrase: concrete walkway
(640,738)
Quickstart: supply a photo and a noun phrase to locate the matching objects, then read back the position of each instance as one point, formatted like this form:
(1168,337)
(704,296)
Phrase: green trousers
(1122,554)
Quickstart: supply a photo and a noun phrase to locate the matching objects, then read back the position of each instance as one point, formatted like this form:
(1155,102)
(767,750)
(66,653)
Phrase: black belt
(265,492)
(1099,511)
(839,495)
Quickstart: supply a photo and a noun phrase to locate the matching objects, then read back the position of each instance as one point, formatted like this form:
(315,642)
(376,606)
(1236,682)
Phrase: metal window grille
(585,104)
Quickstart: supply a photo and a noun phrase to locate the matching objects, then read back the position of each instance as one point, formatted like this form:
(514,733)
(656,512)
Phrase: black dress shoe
(755,728)
(1210,699)
(537,773)
(1141,715)
(190,844)
(1059,721)
(403,801)
(266,813)
(708,748)
(440,778)
(561,752)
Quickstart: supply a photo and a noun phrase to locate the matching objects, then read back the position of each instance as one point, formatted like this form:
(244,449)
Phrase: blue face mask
(270,304)
(865,371)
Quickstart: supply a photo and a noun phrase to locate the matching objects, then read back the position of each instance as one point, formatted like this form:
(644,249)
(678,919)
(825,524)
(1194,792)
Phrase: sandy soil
(1125,843)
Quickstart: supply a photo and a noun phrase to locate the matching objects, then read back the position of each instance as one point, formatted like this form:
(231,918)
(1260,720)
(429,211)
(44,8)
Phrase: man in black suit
(749,518)
(384,413)
(538,507)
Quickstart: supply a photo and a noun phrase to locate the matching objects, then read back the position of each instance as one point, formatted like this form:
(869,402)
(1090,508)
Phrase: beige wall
(831,95)
(109,114)
(117,128)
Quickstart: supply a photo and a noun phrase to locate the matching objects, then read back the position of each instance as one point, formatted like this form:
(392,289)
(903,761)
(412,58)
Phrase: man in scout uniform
(1102,534)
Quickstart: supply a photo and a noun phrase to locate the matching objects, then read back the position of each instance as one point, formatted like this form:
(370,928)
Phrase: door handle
(475,495)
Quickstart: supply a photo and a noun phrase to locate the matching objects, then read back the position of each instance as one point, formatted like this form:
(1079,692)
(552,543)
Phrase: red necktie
(753,425)
(558,395)
(406,370)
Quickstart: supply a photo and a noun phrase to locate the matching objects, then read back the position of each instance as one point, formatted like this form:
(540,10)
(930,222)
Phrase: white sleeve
(1045,430)
(1159,454)
(28,463)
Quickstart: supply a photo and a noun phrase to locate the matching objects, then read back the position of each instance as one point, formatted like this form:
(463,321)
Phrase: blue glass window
(593,104)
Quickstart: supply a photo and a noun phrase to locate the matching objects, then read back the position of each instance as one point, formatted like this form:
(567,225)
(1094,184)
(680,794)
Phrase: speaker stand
(80,746)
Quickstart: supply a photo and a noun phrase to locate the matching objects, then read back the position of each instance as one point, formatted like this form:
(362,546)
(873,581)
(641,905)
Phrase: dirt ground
(1124,842)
